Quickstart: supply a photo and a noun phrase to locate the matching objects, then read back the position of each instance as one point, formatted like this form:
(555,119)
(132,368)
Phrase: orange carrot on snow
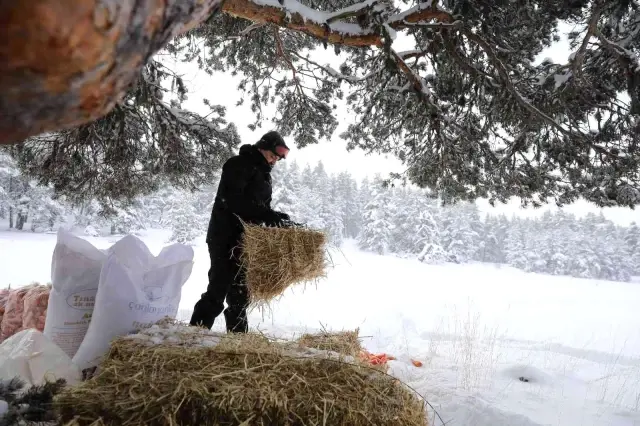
(416,363)
(376,359)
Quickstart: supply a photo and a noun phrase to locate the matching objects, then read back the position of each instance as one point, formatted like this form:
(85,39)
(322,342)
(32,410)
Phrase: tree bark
(68,62)
(21,219)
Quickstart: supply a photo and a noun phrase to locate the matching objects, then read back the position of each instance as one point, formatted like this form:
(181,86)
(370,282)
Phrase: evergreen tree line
(381,219)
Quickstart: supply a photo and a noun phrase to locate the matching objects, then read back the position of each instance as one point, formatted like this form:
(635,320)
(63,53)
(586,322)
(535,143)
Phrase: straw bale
(275,258)
(176,375)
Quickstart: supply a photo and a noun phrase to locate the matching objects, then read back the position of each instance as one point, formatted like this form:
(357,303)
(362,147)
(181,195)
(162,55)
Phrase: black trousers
(226,282)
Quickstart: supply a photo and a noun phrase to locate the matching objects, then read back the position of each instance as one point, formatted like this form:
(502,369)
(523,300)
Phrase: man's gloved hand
(291,224)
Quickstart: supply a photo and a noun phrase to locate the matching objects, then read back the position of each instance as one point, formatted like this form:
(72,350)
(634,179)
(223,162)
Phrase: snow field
(477,328)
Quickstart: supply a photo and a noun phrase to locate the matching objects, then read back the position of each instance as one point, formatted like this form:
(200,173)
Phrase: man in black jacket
(244,193)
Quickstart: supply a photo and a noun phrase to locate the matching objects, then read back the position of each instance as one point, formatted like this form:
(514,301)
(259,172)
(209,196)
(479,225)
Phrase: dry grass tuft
(343,342)
(246,380)
(276,258)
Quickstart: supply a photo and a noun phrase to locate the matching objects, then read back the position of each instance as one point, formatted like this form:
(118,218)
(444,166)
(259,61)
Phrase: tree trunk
(11,207)
(68,62)
(21,219)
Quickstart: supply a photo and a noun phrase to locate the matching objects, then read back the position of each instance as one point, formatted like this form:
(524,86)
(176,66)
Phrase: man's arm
(236,177)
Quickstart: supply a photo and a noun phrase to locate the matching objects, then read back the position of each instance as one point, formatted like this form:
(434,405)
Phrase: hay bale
(343,342)
(276,258)
(246,380)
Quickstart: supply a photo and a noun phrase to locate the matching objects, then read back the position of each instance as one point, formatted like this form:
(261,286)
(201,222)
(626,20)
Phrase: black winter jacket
(244,192)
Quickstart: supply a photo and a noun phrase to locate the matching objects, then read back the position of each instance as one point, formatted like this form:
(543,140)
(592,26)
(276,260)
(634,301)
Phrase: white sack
(32,357)
(136,289)
(75,275)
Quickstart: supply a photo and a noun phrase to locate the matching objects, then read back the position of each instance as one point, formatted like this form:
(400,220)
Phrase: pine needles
(33,406)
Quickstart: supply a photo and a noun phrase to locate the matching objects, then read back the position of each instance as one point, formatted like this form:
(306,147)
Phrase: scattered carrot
(376,359)
(382,359)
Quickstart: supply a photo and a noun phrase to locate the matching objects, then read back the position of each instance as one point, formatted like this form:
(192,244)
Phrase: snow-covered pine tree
(327,215)
(11,182)
(126,219)
(554,240)
(156,207)
(363,197)
(45,211)
(87,215)
(377,225)
(347,203)
(458,236)
(615,263)
(286,190)
(473,68)
(427,241)
(494,236)
(585,262)
(186,222)
(402,224)
(516,245)
(414,225)
(632,238)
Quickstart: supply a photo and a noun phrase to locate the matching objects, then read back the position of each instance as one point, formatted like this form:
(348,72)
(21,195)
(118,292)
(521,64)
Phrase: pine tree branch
(630,64)
(328,26)
(296,16)
(592,27)
(68,62)
(336,74)
(508,83)
(427,11)
(281,53)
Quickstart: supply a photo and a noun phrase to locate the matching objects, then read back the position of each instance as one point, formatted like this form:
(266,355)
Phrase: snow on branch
(427,11)
(330,26)
(296,16)
(353,10)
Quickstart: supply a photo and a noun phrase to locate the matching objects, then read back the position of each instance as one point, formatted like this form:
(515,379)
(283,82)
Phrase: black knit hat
(272,141)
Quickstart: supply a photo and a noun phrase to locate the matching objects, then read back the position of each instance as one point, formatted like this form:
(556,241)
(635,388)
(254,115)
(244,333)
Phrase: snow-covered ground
(476,328)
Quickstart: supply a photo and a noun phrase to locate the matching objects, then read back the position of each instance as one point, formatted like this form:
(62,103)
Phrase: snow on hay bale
(276,258)
(172,374)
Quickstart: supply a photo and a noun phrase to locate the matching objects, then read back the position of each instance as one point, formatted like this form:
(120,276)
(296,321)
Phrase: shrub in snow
(186,223)
(433,254)
(91,231)
(26,407)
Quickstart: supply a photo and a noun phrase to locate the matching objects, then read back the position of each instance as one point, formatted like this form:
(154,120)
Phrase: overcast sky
(222,89)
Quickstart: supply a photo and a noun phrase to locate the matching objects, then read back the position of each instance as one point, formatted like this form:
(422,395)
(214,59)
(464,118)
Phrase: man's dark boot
(236,320)
(204,313)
